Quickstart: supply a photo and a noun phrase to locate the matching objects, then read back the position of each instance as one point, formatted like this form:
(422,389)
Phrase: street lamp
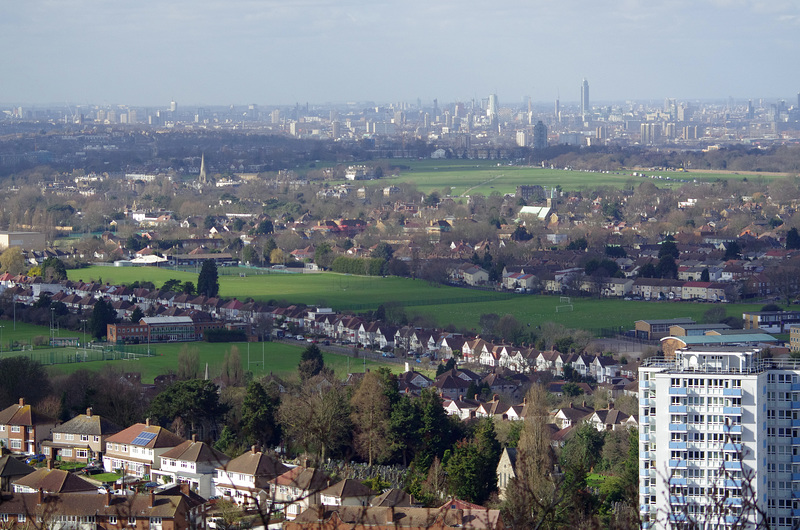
(83,321)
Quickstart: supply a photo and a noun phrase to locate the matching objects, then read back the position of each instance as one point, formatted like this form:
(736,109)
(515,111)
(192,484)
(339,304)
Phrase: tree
(732,251)
(276,257)
(171,285)
(317,417)
(53,269)
(571,389)
(12,261)
(196,402)
(667,268)
(311,362)
(383,251)
(370,416)
(705,276)
(508,328)
(137,315)
(259,416)
(208,279)
(232,372)
(404,423)
(434,431)
(188,363)
(264,227)
(21,377)
(103,313)
(187,287)
(792,239)
(668,248)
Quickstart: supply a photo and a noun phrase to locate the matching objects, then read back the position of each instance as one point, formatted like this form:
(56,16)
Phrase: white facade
(719,422)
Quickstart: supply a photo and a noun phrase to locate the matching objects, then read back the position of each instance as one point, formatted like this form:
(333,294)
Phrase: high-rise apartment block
(719,440)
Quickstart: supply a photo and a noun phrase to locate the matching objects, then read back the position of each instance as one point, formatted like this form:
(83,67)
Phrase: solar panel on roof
(144,438)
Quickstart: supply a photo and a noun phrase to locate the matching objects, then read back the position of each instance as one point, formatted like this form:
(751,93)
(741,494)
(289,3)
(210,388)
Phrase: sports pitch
(444,305)
(470,177)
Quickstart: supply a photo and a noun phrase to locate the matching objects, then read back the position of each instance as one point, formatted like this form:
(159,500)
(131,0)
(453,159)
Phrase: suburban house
(572,415)
(611,420)
(79,511)
(348,492)
(12,469)
(52,480)
(395,518)
(22,429)
(297,489)
(81,439)
(137,449)
(193,463)
(245,478)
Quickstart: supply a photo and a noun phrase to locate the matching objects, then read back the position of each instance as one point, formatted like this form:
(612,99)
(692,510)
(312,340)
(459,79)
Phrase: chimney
(495,397)
(194,438)
(21,402)
(152,499)
(40,496)
(108,497)
(50,464)
(185,489)
(584,403)
(147,422)
(89,412)
(475,397)
(254,449)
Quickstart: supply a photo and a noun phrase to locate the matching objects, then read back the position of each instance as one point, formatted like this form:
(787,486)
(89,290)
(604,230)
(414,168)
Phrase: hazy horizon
(217,52)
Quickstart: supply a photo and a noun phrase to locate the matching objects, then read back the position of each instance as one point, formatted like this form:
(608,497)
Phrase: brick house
(22,429)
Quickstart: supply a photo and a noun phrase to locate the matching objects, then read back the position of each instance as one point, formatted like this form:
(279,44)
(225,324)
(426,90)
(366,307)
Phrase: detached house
(348,492)
(22,429)
(297,489)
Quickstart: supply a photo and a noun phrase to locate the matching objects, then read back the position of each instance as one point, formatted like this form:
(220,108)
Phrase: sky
(279,52)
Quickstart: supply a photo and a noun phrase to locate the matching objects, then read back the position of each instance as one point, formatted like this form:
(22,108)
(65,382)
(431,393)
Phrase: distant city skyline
(210,52)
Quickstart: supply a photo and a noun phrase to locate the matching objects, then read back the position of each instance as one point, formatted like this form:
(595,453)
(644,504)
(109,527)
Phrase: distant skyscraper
(522,138)
(491,108)
(540,135)
(585,108)
(173,106)
(558,110)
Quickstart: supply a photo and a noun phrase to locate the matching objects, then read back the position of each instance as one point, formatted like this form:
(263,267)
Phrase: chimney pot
(40,496)
(22,402)
(89,411)
(147,422)
(108,497)
(152,499)
(194,438)
(254,449)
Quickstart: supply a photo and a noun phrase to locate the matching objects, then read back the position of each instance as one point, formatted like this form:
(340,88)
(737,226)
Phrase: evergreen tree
(792,239)
(208,280)
(53,269)
(311,362)
(103,313)
(259,409)
(137,314)
(704,276)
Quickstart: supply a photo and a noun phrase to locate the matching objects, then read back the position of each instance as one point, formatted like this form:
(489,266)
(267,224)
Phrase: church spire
(203,177)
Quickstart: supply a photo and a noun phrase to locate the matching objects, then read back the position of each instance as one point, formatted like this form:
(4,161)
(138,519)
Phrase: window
(69,437)
(16,444)
(155,520)
(112,519)
(81,453)
(20,517)
(66,452)
(15,428)
(132,521)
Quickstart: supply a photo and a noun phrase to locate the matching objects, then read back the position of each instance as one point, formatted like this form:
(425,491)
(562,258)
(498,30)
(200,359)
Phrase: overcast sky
(270,52)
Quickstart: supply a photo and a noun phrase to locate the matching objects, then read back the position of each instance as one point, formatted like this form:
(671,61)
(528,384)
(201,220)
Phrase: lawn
(24,334)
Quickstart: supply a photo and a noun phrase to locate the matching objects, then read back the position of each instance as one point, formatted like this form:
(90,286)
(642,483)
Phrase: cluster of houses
(182,476)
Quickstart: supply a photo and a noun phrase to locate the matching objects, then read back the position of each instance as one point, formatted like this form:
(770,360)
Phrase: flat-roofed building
(24,240)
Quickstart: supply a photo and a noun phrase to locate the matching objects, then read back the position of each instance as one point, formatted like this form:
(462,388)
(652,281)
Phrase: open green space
(20,334)
(445,305)
(264,358)
(465,177)
(586,313)
(340,291)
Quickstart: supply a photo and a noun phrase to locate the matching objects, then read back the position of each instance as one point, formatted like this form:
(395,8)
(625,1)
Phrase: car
(300,337)
(33,459)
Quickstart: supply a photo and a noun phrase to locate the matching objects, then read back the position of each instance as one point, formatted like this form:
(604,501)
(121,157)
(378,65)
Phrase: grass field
(466,177)
(327,289)
(442,304)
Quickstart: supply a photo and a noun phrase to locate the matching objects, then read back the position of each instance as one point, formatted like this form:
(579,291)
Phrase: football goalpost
(566,305)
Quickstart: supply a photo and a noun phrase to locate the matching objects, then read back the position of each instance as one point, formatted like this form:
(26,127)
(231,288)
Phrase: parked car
(35,459)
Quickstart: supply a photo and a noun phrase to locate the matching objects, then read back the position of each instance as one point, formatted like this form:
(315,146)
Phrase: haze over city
(240,51)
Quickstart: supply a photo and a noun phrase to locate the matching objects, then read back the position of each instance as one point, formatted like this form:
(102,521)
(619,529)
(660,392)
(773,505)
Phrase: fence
(70,355)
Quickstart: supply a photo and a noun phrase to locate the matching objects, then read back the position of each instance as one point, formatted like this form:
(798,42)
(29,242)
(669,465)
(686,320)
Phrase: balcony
(644,420)
(679,391)
(678,481)
(678,464)
(677,499)
(795,513)
(732,466)
(678,427)
(732,429)
(645,491)
(795,387)
(736,411)
(796,459)
(796,494)
(644,384)
(733,483)
(796,404)
(647,402)
(733,392)
(680,409)
(732,447)
(677,445)
(644,455)
(733,501)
